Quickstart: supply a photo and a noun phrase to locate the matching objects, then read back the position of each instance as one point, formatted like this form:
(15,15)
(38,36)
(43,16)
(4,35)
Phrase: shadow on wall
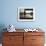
(2,26)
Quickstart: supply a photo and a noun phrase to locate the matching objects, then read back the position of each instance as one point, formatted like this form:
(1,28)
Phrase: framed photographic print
(26,14)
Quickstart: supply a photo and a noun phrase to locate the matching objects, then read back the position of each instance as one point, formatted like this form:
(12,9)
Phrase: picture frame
(26,14)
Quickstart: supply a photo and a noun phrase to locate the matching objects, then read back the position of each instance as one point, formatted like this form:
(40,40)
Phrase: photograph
(26,14)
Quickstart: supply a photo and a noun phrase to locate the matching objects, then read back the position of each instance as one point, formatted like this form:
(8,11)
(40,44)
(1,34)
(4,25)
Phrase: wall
(9,13)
